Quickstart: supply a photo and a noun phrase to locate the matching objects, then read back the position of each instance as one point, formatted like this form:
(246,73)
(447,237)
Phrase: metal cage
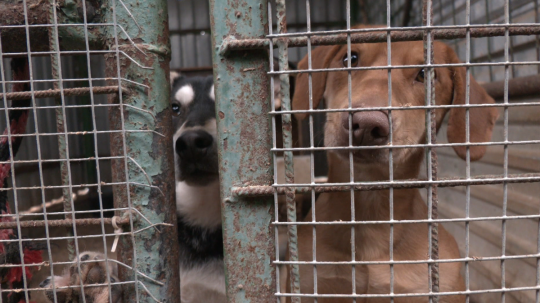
(94,171)
(490,207)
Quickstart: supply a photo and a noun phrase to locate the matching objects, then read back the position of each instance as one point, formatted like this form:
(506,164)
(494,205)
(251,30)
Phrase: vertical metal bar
(488,21)
(351,159)
(286,120)
(390,151)
(311,154)
(63,143)
(431,155)
(537,21)
(468,152)
(152,252)
(507,44)
(96,152)
(274,144)
(241,86)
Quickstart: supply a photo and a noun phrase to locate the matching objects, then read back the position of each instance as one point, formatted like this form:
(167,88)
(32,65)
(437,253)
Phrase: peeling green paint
(242,100)
(149,150)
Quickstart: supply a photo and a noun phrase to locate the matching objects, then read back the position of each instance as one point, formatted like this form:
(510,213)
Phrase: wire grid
(444,12)
(58,172)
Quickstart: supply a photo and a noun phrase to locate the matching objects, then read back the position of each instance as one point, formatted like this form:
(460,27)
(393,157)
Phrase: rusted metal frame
(378,36)
(144,155)
(431,154)
(61,126)
(55,93)
(242,104)
(62,223)
(286,122)
(268,190)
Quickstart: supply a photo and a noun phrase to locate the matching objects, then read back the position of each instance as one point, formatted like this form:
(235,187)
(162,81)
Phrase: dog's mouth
(200,171)
(377,155)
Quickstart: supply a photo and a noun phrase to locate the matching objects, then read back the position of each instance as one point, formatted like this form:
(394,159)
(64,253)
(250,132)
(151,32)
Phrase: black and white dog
(197,201)
(197,190)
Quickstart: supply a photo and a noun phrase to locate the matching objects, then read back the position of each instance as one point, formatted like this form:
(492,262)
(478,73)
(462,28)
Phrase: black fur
(198,245)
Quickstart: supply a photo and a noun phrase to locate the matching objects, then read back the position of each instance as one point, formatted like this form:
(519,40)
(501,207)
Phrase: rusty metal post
(242,100)
(142,119)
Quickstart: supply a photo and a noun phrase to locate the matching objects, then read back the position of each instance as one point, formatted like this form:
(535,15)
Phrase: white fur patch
(212,94)
(185,95)
(199,205)
(204,283)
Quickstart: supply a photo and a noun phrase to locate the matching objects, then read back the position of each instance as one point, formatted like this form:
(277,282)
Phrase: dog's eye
(421,76)
(354,59)
(176,109)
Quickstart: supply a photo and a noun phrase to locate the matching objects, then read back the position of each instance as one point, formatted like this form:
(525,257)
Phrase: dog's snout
(193,144)
(368,127)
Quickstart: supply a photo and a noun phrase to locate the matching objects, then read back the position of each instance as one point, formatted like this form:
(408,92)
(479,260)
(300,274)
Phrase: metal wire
(42,166)
(464,35)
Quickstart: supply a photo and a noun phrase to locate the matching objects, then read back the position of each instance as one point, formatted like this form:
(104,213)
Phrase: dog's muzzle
(193,145)
(369,128)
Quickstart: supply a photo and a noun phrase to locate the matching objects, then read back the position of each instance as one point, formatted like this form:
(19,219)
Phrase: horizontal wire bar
(375,36)
(397,29)
(405,107)
(61,223)
(67,92)
(457,260)
(409,66)
(432,145)
(267,190)
(81,132)
(401,295)
(470,219)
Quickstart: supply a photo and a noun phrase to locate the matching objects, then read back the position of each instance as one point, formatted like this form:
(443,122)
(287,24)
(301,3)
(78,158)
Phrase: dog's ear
(481,119)
(320,58)
(174,78)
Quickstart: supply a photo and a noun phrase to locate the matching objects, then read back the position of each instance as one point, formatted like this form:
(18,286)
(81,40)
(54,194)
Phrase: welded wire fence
(351,244)
(87,178)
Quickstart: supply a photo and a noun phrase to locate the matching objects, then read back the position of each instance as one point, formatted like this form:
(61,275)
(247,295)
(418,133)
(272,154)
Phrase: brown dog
(372,128)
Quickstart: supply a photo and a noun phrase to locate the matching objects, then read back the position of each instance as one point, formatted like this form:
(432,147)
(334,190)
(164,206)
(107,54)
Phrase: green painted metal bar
(145,155)
(244,132)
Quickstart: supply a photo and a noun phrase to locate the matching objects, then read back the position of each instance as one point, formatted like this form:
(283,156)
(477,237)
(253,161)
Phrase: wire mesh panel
(431,135)
(88,200)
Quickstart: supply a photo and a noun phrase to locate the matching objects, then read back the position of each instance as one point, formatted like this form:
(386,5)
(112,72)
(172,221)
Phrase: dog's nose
(368,127)
(193,144)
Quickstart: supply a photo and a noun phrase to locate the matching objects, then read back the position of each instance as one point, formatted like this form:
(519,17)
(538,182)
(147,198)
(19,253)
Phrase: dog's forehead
(194,90)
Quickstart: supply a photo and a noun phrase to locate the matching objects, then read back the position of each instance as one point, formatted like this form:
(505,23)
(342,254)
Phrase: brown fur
(370,89)
(67,287)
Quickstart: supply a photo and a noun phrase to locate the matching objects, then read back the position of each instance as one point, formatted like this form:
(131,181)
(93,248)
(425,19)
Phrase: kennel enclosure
(74,52)
(480,203)
(99,95)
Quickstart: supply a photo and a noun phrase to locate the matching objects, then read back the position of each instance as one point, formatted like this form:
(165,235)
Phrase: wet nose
(193,144)
(368,127)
